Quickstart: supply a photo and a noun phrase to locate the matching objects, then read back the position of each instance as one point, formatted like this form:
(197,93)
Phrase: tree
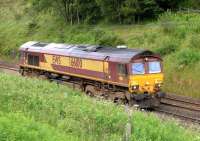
(147,9)
(129,10)
(111,10)
(137,10)
(169,4)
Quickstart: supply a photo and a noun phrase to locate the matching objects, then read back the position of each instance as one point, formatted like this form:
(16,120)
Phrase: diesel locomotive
(133,76)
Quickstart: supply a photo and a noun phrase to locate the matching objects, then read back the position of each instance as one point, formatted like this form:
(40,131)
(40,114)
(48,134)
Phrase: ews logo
(56,60)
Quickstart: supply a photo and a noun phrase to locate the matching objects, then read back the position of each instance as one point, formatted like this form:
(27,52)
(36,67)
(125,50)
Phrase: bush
(62,108)
(31,27)
(107,39)
(195,42)
(150,128)
(187,57)
(110,40)
(16,127)
(166,23)
(167,47)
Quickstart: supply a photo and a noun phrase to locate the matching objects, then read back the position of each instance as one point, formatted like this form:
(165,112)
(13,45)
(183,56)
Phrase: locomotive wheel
(120,101)
(21,71)
(90,90)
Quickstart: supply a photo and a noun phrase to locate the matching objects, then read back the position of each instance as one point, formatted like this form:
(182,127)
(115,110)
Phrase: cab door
(110,71)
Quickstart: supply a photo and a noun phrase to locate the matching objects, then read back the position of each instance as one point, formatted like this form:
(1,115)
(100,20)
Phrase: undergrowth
(33,109)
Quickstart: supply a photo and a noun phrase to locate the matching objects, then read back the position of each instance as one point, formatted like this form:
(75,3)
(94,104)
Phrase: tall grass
(15,126)
(62,108)
(39,110)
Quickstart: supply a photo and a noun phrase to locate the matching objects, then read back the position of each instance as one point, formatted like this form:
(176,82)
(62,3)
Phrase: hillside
(34,110)
(176,36)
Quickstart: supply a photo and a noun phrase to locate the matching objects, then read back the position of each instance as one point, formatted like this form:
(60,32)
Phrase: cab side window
(122,69)
(33,60)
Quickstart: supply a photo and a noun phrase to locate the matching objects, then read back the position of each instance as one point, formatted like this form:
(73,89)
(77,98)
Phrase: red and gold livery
(126,74)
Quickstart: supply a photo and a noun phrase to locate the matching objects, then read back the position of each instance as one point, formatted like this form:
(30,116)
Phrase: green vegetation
(173,35)
(112,11)
(15,126)
(33,109)
(66,111)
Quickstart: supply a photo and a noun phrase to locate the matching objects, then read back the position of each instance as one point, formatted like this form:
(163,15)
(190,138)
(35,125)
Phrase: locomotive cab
(146,76)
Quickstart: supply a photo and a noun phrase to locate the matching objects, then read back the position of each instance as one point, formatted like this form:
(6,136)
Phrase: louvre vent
(40,44)
(92,48)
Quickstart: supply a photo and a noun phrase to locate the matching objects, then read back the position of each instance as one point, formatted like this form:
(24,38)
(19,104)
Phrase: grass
(173,35)
(59,107)
(15,126)
(38,110)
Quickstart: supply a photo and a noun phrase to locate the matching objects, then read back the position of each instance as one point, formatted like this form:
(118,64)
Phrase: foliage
(110,40)
(38,110)
(167,47)
(195,42)
(117,11)
(150,128)
(169,4)
(167,24)
(15,126)
(195,4)
(113,11)
(61,108)
(107,39)
(187,57)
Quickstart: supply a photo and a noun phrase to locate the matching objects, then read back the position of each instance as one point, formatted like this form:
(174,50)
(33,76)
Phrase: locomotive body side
(124,74)
(97,70)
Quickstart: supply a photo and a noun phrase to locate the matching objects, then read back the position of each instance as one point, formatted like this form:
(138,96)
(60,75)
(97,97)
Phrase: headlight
(135,87)
(158,85)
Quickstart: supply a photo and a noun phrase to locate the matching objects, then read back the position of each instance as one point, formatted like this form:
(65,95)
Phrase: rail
(180,106)
(8,66)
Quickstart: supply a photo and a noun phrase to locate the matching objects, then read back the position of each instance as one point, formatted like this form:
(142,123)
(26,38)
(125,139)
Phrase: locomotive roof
(85,51)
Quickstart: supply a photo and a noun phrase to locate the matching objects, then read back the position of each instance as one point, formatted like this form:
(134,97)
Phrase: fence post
(128,127)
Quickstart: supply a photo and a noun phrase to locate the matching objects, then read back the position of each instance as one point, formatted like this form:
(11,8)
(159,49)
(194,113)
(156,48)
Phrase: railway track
(8,66)
(180,106)
(183,107)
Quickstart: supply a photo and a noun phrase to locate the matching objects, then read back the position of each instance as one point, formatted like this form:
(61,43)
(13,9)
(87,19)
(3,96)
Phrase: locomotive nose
(147,87)
(146,83)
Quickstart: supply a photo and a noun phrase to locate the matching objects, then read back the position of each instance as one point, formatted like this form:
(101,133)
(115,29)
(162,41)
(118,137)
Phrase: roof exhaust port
(122,46)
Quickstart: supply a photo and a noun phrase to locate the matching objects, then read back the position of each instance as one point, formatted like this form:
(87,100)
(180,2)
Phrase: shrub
(98,33)
(167,47)
(195,42)
(150,128)
(150,37)
(107,39)
(166,23)
(31,26)
(110,40)
(17,127)
(71,112)
(187,57)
